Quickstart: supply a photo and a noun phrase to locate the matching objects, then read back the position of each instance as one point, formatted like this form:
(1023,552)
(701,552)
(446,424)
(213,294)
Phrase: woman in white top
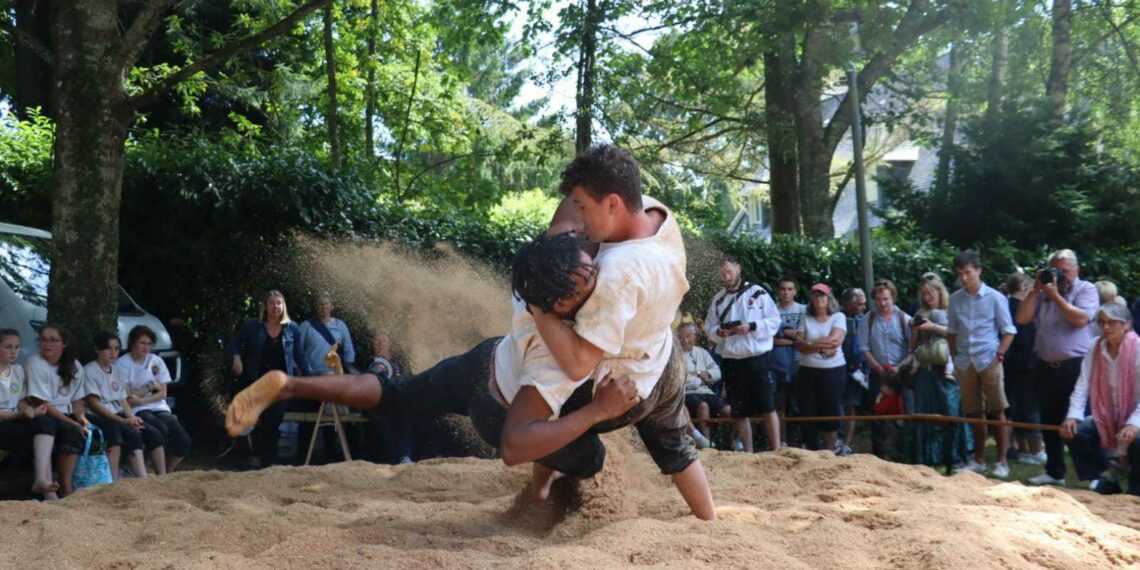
(147,376)
(23,427)
(821,377)
(108,407)
(55,380)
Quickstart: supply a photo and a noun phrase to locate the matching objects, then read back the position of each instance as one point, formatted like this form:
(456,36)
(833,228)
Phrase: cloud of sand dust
(432,307)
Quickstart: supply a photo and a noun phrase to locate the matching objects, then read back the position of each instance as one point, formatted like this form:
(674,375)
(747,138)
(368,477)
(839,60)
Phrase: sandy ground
(793,509)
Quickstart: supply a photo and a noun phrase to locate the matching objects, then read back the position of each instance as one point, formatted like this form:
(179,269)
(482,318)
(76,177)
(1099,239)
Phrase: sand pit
(794,509)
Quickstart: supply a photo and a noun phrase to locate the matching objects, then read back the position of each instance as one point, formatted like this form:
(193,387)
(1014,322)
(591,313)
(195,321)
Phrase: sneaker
(1001,471)
(405,460)
(702,441)
(1027,458)
(1105,487)
(843,451)
(1045,479)
(738,445)
(979,468)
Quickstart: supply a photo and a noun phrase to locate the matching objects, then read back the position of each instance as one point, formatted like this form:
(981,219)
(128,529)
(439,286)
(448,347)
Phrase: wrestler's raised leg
(358,391)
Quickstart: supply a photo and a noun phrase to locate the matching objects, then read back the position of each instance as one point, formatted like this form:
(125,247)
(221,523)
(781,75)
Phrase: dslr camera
(1050,275)
(918,321)
(730,325)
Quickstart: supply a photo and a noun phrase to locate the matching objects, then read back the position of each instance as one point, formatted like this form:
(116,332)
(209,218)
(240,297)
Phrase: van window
(24,266)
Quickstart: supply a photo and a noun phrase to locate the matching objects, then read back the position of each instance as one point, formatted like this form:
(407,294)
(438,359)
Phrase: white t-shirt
(111,387)
(639,288)
(139,375)
(12,388)
(45,384)
(815,330)
(523,359)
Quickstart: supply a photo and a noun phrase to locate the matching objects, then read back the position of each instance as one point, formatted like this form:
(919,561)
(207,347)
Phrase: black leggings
(461,385)
(174,437)
(117,433)
(819,392)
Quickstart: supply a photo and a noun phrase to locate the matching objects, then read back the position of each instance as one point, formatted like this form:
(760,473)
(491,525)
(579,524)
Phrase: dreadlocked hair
(542,273)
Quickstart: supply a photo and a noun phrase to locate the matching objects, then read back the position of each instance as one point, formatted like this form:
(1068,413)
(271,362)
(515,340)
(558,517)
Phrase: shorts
(749,386)
(68,438)
(461,385)
(715,403)
(175,440)
(117,433)
(983,390)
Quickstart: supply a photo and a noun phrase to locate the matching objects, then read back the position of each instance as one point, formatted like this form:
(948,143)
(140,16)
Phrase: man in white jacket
(743,321)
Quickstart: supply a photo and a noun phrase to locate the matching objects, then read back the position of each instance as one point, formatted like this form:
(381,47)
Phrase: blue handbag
(92,468)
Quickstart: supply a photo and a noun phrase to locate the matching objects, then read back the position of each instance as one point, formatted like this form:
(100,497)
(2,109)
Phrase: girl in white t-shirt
(109,409)
(24,427)
(55,380)
(821,377)
(147,376)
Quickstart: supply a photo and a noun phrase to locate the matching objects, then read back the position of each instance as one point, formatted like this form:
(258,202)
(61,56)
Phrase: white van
(24,270)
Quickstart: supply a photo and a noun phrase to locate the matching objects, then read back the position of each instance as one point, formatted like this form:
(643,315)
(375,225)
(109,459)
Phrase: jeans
(1089,458)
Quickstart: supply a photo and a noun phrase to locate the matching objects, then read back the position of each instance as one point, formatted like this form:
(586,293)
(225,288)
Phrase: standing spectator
(854,302)
(1106,291)
(24,427)
(884,341)
(822,373)
(1062,305)
(147,376)
(319,334)
(935,389)
(55,379)
(784,355)
(743,321)
(1020,377)
(701,374)
(981,330)
(108,407)
(271,342)
(1109,385)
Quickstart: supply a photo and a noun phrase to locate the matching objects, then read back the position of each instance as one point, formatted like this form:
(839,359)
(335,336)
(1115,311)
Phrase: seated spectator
(147,376)
(821,378)
(108,408)
(1106,292)
(702,374)
(395,428)
(24,428)
(55,380)
(1109,385)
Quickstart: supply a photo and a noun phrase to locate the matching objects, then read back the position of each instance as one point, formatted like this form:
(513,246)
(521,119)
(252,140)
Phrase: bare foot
(47,490)
(543,478)
(249,403)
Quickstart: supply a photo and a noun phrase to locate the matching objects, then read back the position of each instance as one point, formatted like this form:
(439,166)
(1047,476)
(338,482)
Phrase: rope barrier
(936,418)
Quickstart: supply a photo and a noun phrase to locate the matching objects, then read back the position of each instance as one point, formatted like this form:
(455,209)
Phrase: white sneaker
(979,468)
(1001,471)
(738,445)
(1038,458)
(1045,479)
(702,441)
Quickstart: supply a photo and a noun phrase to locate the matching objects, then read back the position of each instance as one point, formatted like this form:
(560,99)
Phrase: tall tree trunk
(87,168)
(1057,89)
(330,68)
(950,122)
(370,104)
(32,74)
(996,89)
(587,57)
(814,158)
(780,116)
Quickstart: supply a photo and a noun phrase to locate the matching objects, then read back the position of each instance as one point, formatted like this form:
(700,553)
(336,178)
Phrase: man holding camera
(742,322)
(1062,306)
